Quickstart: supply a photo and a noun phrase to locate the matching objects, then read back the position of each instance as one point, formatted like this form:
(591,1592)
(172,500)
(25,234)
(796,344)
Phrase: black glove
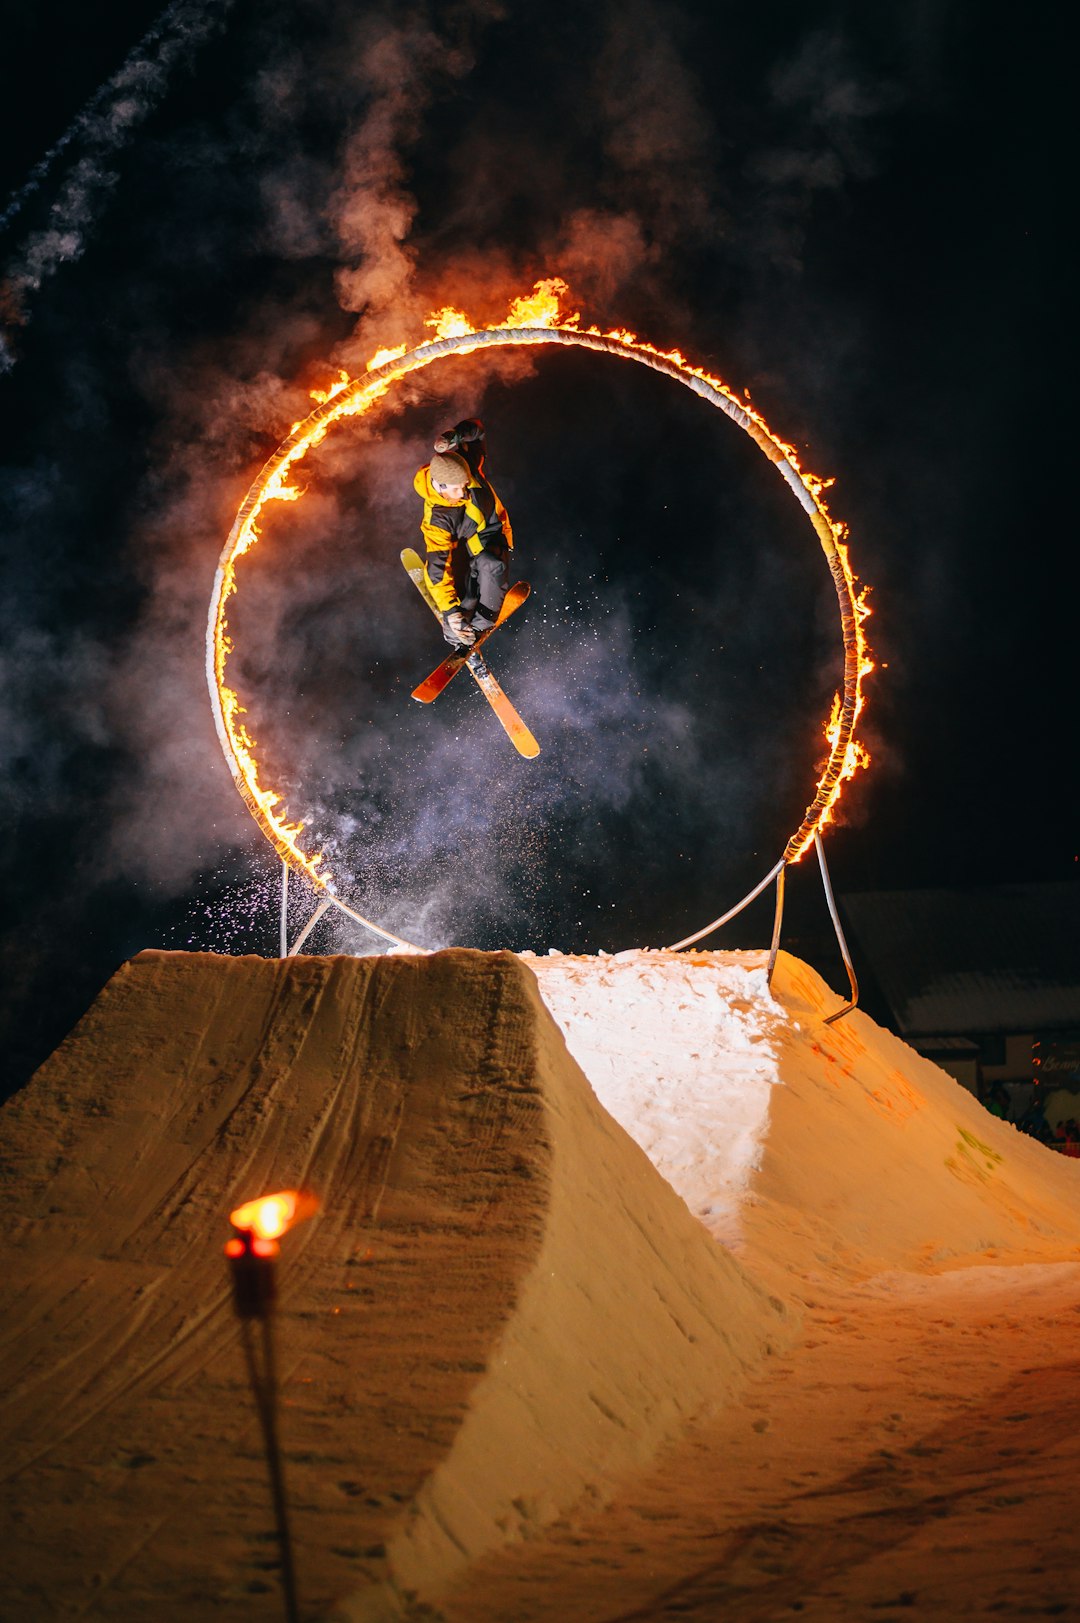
(471,428)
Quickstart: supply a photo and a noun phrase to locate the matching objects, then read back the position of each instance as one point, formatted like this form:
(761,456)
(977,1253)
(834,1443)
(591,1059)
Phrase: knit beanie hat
(447,468)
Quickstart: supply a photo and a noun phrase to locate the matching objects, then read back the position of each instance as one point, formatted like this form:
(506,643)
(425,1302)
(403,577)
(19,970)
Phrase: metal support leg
(327,902)
(777,920)
(284,953)
(688,941)
(834,915)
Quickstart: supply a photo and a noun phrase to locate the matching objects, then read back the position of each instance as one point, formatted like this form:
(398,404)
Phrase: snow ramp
(815,1151)
(501,1308)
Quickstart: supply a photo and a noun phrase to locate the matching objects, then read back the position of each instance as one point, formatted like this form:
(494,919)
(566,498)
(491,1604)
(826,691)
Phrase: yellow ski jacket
(475,522)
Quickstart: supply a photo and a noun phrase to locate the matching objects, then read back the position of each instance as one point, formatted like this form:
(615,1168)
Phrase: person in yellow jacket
(467,534)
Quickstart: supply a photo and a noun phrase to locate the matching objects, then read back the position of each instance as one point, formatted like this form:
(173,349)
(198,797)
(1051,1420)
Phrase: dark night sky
(853,211)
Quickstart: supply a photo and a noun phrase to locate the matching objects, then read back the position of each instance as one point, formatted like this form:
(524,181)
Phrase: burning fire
(271,1216)
(538,318)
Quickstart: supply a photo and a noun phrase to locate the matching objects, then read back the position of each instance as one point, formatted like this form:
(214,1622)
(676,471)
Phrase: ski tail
(511,722)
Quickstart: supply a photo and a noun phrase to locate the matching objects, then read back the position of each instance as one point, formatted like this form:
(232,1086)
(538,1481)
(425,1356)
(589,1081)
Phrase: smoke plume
(351,170)
(107,124)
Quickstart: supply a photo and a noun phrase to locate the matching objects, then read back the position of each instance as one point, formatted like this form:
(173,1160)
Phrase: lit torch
(253,1252)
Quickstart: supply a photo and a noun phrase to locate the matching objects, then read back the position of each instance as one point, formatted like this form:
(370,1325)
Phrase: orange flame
(541,308)
(381,357)
(539,317)
(343,381)
(271,1216)
(846,755)
(449,323)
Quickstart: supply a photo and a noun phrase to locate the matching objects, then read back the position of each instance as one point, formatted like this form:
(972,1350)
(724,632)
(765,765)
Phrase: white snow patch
(679,1050)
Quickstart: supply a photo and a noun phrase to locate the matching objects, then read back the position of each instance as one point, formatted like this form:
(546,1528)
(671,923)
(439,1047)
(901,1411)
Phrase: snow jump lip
(357,397)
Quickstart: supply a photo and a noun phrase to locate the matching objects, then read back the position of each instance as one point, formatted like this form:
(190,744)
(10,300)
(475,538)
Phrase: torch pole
(253,1265)
(264,1389)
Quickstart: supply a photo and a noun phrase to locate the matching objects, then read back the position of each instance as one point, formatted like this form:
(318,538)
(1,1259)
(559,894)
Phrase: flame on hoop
(539,313)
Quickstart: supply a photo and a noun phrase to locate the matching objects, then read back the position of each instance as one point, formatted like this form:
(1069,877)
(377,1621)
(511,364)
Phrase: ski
(443,675)
(511,722)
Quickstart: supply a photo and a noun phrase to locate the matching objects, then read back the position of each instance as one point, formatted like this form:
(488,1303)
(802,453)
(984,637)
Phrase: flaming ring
(355,398)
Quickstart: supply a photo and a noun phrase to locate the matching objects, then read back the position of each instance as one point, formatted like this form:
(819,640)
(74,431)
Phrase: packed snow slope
(505,1309)
(501,1310)
(808,1148)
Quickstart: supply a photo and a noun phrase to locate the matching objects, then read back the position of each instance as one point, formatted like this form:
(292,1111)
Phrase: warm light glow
(343,380)
(382,356)
(250,1246)
(541,308)
(537,318)
(846,754)
(449,323)
(273,1215)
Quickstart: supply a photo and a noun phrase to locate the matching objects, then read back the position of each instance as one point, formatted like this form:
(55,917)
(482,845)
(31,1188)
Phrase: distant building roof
(954,962)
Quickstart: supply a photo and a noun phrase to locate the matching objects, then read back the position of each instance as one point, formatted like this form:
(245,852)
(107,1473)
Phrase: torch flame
(538,317)
(271,1216)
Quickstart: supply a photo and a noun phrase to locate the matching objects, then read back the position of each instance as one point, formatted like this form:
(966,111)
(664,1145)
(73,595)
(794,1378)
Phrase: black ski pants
(481,583)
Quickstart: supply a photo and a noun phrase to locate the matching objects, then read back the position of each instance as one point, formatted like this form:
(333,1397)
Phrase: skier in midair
(466,533)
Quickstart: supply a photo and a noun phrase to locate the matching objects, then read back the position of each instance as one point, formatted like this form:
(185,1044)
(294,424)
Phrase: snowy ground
(682,1050)
(916,1456)
(916,1453)
(520,1376)
(809,1148)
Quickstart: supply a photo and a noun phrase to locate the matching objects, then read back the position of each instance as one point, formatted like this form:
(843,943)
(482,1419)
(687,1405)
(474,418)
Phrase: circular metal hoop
(357,396)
